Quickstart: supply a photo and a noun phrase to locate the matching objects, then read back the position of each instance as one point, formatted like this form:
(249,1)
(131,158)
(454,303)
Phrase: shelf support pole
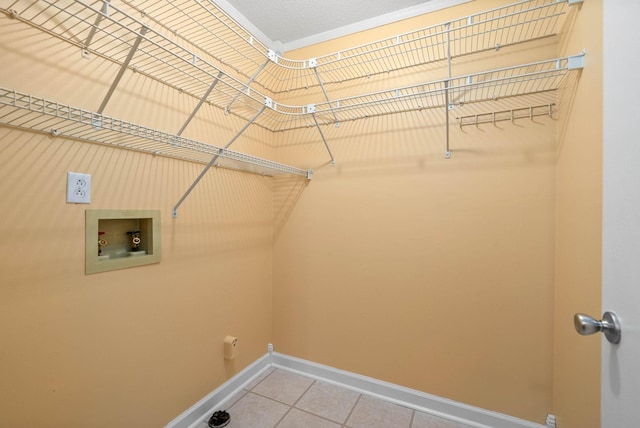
(174,214)
(324,140)
(103,12)
(255,75)
(447,152)
(202,100)
(447,106)
(123,67)
(326,96)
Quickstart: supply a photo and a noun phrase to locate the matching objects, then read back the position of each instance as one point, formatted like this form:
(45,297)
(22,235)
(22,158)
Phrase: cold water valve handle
(610,326)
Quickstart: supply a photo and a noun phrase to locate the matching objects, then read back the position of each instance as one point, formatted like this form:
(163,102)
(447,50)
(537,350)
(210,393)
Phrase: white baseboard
(217,398)
(413,399)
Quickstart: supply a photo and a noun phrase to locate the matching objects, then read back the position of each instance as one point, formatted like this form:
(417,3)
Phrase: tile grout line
(251,391)
(262,380)
(344,425)
(300,397)
(413,415)
(320,416)
(243,393)
(270,398)
(292,406)
(283,416)
(305,391)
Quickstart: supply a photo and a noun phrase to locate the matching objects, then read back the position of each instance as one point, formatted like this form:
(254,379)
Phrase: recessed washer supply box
(119,239)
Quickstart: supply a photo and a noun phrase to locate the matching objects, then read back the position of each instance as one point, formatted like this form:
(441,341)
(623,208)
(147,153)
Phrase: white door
(621,216)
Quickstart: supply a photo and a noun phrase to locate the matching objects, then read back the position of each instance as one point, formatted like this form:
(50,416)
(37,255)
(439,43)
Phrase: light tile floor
(281,399)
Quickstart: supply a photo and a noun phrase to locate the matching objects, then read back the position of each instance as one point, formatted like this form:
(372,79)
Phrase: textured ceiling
(297,23)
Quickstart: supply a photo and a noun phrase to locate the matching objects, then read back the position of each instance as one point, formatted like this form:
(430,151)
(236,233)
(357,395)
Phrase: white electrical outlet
(78,188)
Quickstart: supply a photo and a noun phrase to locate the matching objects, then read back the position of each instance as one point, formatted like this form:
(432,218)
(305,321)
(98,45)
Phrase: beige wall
(431,273)
(579,228)
(399,264)
(134,347)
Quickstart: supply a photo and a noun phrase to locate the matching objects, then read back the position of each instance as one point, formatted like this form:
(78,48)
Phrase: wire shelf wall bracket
(251,79)
(103,12)
(324,91)
(202,101)
(311,108)
(215,158)
(123,68)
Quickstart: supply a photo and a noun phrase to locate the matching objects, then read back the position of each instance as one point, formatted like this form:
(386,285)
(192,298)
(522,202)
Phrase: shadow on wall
(566,101)
(227,211)
(287,190)
(415,142)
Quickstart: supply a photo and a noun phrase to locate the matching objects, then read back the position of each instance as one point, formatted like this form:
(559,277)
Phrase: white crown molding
(367,24)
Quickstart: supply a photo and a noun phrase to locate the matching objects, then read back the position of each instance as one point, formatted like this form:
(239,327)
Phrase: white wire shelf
(105,30)
(195,48)
(24,111)
(102,29)
(508,25)
(525,79)
(211,43)
(201,23)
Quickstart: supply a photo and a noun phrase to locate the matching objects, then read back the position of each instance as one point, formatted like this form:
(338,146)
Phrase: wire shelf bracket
(123,68)
(311,108)
(575,62)
(202,101)
(213,160)
(324,91)
(251,79)
(103,12)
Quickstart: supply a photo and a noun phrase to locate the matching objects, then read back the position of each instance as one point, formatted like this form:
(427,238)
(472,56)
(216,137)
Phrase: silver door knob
(610,326)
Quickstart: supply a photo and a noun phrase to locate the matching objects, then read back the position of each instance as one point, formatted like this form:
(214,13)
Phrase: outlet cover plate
(78,188)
